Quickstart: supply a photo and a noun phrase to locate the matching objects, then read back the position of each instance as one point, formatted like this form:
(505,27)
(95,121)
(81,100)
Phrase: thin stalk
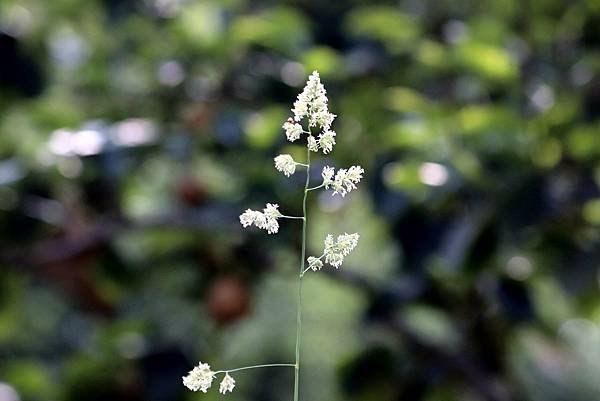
(299,300)
(313,188)
(270,365)
(292,217)
(308,268)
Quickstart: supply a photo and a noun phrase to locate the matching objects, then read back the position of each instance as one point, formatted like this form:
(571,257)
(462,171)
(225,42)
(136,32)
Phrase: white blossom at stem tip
(312,103)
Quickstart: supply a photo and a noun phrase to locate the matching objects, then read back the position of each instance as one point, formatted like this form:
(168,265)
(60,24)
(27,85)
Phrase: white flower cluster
(201,377)
(285,164)
(326,141)
(292,129)
(335,251)
(344,180)
(312,103)
(227,384)
(265,220)
(314,263)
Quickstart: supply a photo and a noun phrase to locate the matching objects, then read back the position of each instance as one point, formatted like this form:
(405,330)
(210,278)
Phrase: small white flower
(347,242)
(249,217)
(326,141)
(335,251)
(285,164)
(327,174)
(265,220)
(346,179)
(355,174)
(334,259)
(199,378)
(227,384)
(324,119)
(312,144)
(314,263)
(271,211)
(292,129)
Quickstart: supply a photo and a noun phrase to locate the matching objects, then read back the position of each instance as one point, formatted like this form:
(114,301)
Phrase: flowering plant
(310,107)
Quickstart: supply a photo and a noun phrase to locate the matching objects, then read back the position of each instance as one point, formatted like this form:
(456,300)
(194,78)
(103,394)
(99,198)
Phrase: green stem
(313,188)
(270,365)
(292,217)
(299,300)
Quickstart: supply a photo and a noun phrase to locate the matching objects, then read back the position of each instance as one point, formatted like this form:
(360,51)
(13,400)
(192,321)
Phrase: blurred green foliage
(133,132)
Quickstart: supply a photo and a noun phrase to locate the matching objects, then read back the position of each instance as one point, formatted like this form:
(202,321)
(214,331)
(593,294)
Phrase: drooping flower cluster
(227,384)
(285,164)
(200,378)
(345,180)
(265,220)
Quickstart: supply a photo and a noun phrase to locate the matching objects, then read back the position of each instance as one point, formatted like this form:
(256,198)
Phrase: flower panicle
(311,109)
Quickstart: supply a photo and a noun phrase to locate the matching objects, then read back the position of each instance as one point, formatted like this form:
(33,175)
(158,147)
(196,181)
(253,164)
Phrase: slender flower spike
(199,378)
(267,220)
(285,164)
(292,130)
(227,384)
(314,263)
(336,250)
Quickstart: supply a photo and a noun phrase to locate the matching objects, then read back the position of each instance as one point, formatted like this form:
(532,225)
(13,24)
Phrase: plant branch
(313,188)
(269,365)
(292,217)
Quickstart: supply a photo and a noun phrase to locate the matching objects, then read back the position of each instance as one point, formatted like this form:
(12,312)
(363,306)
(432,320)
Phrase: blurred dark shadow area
(134,132)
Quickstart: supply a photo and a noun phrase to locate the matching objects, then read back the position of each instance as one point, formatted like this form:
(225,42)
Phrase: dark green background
(133,133)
